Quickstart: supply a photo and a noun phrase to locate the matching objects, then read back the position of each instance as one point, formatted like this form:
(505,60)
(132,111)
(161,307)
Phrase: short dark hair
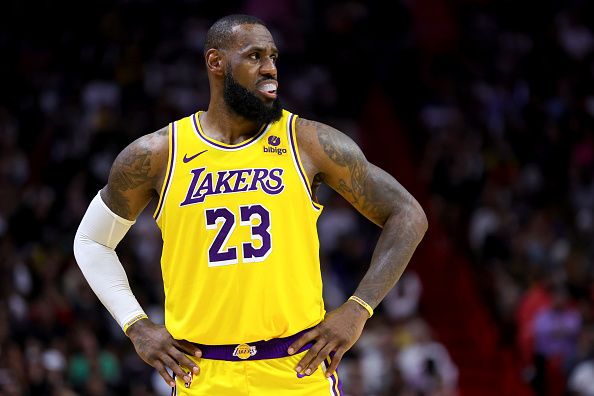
(219,34)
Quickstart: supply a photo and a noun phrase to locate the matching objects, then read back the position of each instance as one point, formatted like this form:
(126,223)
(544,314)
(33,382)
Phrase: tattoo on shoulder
(333,146)
(131,169)
(307,123)
(359,188)
(163,131)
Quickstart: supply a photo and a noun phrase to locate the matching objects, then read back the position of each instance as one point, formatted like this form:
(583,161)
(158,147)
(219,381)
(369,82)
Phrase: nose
(268,67)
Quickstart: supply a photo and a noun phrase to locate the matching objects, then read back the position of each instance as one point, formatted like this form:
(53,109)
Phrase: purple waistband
(271,349)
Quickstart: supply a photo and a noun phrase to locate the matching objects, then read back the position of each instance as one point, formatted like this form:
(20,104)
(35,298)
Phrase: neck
(221,123)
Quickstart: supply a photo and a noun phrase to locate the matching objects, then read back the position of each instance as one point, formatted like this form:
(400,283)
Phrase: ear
(214,61)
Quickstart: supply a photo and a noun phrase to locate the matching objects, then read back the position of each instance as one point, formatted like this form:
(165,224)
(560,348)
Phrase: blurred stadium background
(483,109)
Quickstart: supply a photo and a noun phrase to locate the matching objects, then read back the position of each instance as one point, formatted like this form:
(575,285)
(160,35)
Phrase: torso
(240,238)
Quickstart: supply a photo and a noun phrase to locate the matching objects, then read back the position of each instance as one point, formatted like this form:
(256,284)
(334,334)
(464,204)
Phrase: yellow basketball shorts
(261,368)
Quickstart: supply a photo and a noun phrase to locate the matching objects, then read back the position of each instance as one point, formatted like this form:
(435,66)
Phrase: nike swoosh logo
(187,159)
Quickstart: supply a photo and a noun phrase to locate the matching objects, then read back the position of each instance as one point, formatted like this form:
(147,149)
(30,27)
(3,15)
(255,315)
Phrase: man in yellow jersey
(236,188)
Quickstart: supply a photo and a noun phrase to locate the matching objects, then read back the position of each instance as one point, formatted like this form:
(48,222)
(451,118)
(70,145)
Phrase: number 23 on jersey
(256,217)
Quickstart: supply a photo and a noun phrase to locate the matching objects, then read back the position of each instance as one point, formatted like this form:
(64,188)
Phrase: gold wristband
(363,304)
(134,320)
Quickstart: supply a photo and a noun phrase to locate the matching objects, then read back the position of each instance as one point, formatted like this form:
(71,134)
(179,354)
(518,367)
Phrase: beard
(248,105)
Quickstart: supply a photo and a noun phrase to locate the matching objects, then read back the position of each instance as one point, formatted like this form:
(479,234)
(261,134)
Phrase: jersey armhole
(297,160)
(169,172)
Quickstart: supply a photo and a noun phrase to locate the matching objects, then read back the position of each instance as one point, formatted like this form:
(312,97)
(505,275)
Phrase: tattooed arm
(332,157)
(137,174)
(380,198)
(135,178)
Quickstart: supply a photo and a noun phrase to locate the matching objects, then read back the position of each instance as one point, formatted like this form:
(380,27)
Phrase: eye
(254,56)
(274,58)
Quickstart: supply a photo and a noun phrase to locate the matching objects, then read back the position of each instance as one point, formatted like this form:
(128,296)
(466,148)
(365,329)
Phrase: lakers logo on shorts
(244,351)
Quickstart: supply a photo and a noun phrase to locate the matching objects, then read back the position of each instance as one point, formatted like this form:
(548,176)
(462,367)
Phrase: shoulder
(322,142)
(309,129)
(137,173)
(156,142)
(306,134)
(148,150)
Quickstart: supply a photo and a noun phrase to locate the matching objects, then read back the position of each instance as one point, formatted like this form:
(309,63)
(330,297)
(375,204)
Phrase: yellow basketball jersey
(240,257)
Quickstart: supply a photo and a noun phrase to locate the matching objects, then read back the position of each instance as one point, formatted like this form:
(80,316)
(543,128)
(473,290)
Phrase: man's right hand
(157,347)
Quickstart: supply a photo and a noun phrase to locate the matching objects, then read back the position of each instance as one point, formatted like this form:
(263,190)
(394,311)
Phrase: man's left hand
(337,333)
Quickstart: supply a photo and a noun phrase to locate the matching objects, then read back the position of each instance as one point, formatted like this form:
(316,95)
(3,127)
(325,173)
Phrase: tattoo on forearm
(394,249)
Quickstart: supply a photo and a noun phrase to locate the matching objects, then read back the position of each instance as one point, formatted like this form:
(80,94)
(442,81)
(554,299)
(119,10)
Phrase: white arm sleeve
(99,233)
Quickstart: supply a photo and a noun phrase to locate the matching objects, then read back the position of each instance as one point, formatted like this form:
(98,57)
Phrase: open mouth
(268,89)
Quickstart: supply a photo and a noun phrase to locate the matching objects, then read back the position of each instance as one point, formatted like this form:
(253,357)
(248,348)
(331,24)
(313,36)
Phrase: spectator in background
(92,365)
(581,377)
(402,302)
(556,330)
(426,365)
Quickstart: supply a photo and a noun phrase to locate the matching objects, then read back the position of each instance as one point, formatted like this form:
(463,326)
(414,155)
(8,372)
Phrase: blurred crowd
(509,157)
(498,102)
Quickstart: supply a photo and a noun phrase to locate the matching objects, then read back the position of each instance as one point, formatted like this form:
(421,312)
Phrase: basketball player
(237,211)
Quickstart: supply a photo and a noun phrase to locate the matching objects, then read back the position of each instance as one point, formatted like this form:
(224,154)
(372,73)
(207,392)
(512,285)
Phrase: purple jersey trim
(221,146)
(158,211)
(297,164)
(339,382)
(271,349)
(333,385)
(334,378)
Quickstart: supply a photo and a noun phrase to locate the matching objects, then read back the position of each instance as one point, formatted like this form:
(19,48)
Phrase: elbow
(409,218)
(424,223)
(418,219)
(75,245)
(79,241)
